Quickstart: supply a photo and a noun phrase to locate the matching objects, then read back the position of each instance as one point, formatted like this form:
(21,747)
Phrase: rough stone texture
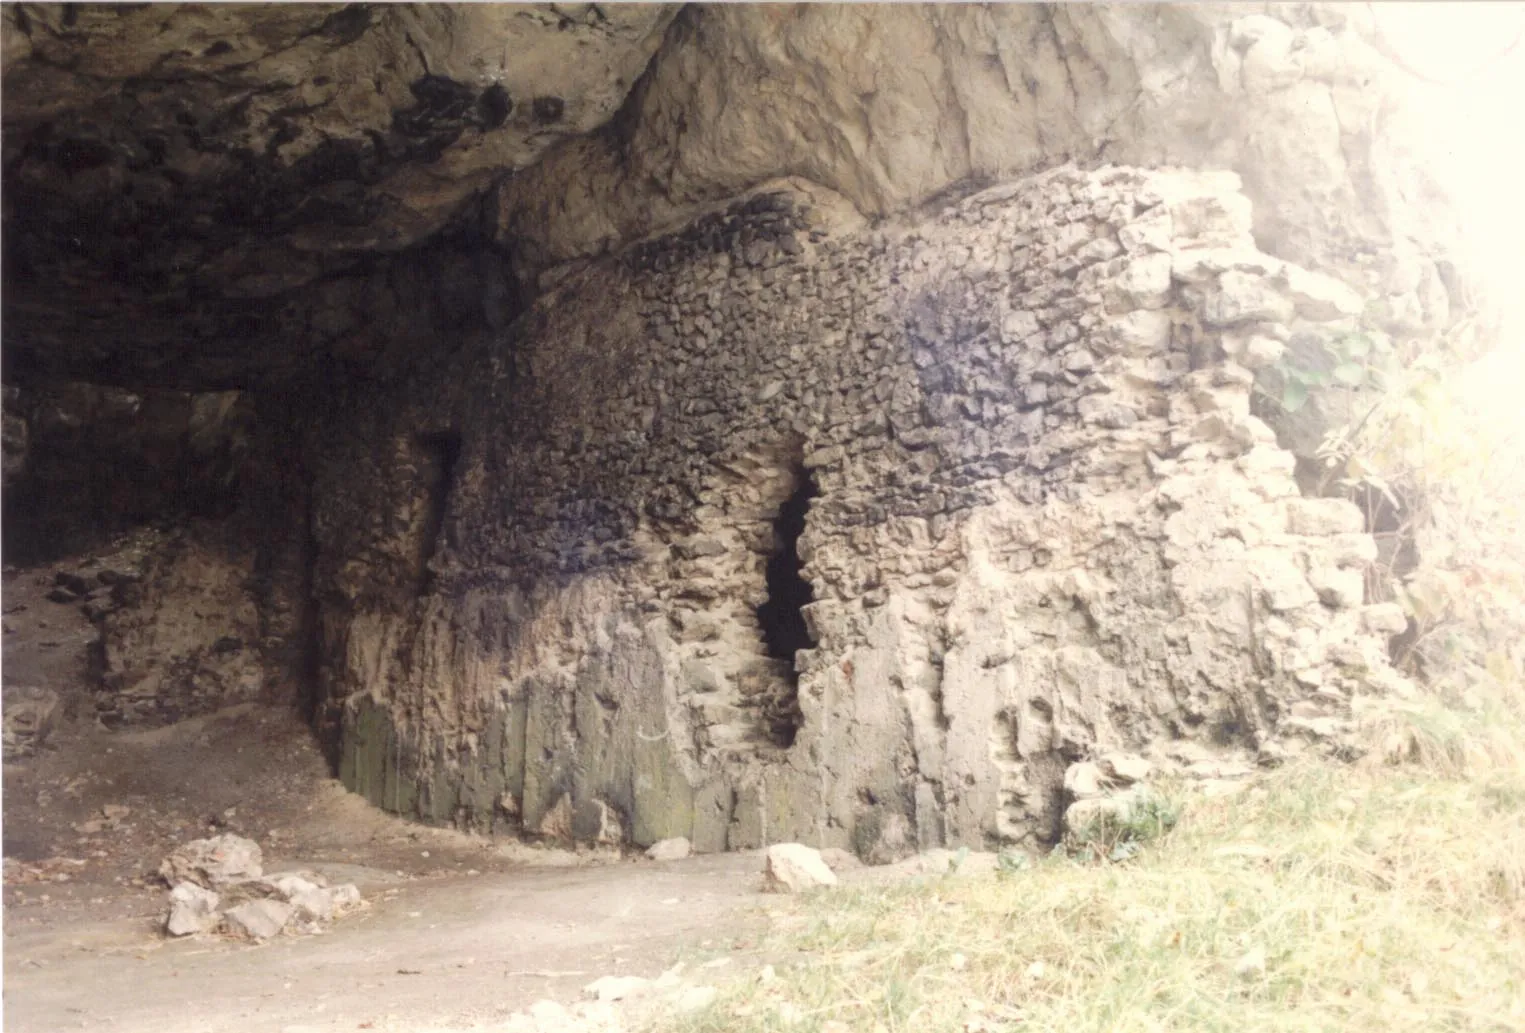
(310,896)
(186,635)
(29,713)
(1090,815)
(192,510)
(517,546)
(1047,527)
(187,167)
(15,437)
(258,919)
(795,868)
(192,910)
(889,105)
(213,863)
(229,179)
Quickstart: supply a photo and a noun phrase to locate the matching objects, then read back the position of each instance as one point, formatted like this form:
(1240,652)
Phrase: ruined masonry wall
(1047,527)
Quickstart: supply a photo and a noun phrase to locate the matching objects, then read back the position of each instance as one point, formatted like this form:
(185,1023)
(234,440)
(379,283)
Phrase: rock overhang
(185,183)
(216,197)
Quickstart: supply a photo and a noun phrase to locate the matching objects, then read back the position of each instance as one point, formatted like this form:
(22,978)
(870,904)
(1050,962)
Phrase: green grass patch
(1324,897)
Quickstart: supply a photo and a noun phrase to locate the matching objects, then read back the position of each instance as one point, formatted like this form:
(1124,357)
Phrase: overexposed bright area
(1467,62)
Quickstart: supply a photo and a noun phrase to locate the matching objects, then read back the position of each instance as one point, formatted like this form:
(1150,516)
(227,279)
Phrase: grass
(1377,896)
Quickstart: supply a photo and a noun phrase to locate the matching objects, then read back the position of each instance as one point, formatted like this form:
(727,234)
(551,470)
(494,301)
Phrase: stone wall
(1045,526)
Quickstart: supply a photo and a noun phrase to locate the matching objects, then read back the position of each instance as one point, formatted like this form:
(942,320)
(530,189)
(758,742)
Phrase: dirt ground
(458,931)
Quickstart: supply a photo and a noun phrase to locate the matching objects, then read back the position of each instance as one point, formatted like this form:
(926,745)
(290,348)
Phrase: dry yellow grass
(1366,897)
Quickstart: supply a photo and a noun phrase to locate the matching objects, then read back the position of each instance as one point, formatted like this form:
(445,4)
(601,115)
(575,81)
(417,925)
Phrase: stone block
(1241,298)
(1126,767)
(1084,780)
(213,863)
(259,919)
(795,868)
(192,910)
(1319,517)
(1342,589)
(1319,298)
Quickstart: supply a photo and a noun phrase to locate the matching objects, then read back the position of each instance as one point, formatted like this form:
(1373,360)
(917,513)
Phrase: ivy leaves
(1356,361)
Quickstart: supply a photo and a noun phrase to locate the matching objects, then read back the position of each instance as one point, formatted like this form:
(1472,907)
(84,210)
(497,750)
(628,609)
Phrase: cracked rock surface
(248,185)
(191,166)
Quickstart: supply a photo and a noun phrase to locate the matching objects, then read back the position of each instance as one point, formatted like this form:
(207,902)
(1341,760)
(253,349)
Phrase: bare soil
(459,932)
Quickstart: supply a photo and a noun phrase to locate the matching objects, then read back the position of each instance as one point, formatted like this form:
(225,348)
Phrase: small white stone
(547,1011)
(1320,298)
(675,849)
(316,904)
(794,867)
(1252,963)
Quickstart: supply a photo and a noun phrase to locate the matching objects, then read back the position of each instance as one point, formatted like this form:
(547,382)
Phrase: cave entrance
(781,616)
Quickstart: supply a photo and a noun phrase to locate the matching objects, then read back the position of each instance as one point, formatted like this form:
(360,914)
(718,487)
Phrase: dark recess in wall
(443,451)
(781,616)
(101,461)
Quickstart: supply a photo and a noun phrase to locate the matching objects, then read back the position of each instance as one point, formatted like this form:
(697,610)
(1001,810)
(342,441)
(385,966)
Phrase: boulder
(213,863)
(1084,780)
(259,919)
(191,910)
(794,868)
(839,860)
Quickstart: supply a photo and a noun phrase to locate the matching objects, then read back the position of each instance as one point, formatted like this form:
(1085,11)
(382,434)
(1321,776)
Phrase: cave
(383,390)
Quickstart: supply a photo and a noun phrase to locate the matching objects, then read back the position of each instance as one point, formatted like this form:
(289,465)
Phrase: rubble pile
(217,885)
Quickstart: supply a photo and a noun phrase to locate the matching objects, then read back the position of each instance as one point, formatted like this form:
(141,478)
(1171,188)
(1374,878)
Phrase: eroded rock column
(1046,525)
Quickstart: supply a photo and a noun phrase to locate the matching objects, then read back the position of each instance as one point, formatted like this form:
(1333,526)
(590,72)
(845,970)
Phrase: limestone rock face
(1040,526)
(232,178)
(185,638)
(86,462)
(747,424)
(890,105)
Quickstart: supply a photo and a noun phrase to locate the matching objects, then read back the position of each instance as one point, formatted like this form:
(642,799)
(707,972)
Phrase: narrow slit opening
(781,616)
(442,451)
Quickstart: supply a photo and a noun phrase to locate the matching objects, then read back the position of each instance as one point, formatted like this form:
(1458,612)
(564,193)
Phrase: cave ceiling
(191,191)
(221,196)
